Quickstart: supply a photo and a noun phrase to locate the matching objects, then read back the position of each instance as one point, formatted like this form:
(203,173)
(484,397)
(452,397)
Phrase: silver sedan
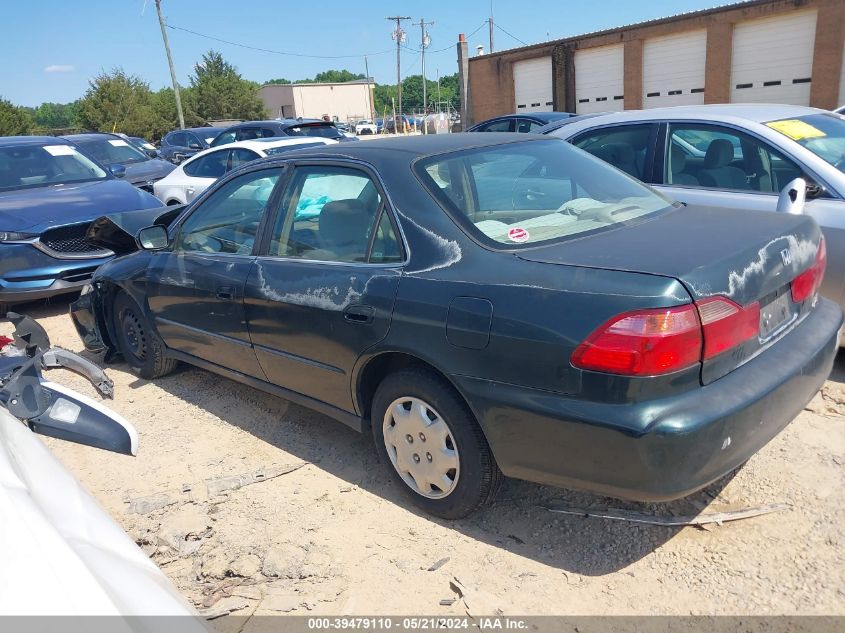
(738,156)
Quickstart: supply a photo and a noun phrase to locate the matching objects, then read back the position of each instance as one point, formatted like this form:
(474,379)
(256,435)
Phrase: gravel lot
(335,537)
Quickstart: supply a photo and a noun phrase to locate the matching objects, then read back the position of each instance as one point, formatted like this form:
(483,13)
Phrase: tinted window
(192,139)
(248,133)
(267,133)
(716,157)
(211,165)
(176,139)
(224,138)
(227,221)
(497,126)
(324,130)
(524,125)
(329,215)
(35,166)
(625,147)
(523,193)
(241,156)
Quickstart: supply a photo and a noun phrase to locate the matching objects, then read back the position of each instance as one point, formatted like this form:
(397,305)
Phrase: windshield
(524,193)
(110,152)
(822,134)
(324,130)
(38,166)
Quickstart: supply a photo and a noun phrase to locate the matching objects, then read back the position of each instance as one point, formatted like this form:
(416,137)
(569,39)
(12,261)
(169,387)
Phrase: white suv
(365,126)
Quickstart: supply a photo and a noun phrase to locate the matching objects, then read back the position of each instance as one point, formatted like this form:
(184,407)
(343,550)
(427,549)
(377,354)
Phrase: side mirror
(152,153)
(118,171)
(153,238)
(792,196)
(195,146)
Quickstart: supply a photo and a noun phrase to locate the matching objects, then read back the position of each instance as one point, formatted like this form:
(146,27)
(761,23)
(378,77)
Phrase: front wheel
(433,445)
(138,341)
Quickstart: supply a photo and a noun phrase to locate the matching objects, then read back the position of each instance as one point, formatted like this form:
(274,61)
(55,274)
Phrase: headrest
(343,222)
(678,160)
(616,153)
(720,153)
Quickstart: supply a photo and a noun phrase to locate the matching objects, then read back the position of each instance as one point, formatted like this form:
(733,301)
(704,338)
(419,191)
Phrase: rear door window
(177,139)
(241,156)
(626,147)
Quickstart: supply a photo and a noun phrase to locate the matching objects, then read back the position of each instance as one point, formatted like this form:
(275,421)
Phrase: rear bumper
(26,273)
(660,449)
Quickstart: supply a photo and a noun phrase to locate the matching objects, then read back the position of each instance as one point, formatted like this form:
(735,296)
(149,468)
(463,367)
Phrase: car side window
(524,125)
(211,165)
(228,220)
(498,126)
(267,133)
(248,133)
(242,156)
(334,214)
(625,147)
(177,139)
(715,157)
(225,138)
(192,139)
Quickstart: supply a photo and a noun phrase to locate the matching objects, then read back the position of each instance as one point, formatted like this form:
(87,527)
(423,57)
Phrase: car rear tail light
(661,341)
(807,283)
(643,343)
(726,324)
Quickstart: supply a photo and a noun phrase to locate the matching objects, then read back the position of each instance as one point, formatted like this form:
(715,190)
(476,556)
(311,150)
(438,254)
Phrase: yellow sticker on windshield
(795,129)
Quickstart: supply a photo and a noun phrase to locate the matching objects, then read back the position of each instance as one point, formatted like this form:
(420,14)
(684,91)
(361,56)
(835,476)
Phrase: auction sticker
(518,235)
(59,150)
(119,143)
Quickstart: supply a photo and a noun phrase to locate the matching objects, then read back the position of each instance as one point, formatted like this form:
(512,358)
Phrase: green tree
(14,120)
(335,76)
(219,91)
(117,102)
(56,116)
(279,81)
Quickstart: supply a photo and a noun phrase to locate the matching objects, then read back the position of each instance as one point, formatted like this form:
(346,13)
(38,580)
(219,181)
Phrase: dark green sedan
(485,306)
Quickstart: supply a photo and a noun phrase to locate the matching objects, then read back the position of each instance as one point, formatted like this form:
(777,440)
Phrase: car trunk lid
(743,256)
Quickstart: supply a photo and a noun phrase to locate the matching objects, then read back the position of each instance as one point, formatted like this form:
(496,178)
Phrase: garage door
(532,85)
(673,69)
(599,79)
(772,59)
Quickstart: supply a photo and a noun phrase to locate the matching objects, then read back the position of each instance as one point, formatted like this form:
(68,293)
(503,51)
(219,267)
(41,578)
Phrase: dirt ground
(334,536)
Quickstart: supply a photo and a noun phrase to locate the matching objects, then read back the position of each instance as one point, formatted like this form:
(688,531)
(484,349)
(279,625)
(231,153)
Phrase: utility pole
(399,37)
(172,70)
(372,105)
(490,25)
(425,42)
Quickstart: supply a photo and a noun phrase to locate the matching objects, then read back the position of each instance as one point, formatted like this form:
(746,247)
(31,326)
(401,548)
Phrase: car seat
(677,165)
(718,171)
(343,234)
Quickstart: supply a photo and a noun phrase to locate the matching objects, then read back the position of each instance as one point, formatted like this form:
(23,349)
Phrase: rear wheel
(138,341)
(433,445)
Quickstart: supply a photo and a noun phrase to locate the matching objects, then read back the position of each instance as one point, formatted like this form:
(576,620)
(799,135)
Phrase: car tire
(142,348)
(463,462)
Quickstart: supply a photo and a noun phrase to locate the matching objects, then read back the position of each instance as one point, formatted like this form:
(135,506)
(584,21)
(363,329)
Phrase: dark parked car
(178,145)
(527,122)
(144,145)
(486,305)
(280,127)
(122,159)
(49,194)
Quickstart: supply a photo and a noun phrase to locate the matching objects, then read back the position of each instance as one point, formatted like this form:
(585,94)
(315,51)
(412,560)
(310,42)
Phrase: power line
(451,47)
(511,34)
(267,50)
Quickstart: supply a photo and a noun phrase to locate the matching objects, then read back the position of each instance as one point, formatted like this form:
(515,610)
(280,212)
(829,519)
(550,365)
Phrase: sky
(51,48)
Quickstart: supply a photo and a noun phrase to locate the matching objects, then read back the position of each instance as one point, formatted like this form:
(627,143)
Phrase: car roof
(412,147)
(727,112)
(278,141)
(201,129)
(90,136)
(10,141)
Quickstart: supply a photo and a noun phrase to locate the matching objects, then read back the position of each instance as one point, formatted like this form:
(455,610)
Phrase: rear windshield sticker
(518,234)
(795,129)
(119,143)
(59,150)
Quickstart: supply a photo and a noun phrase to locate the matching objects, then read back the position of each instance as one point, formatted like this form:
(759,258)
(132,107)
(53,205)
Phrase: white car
(196,174)
(366,126)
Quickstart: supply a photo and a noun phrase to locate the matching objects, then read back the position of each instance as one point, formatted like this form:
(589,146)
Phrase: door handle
(225,293)
(359,314)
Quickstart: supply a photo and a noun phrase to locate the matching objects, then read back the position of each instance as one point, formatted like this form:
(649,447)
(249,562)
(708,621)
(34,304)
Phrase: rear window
(324,130)
(524,193)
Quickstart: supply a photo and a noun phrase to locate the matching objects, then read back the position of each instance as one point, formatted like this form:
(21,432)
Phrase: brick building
(772,51)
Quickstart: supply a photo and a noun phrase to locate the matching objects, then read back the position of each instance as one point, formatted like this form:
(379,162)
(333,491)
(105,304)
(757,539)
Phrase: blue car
(49,194)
